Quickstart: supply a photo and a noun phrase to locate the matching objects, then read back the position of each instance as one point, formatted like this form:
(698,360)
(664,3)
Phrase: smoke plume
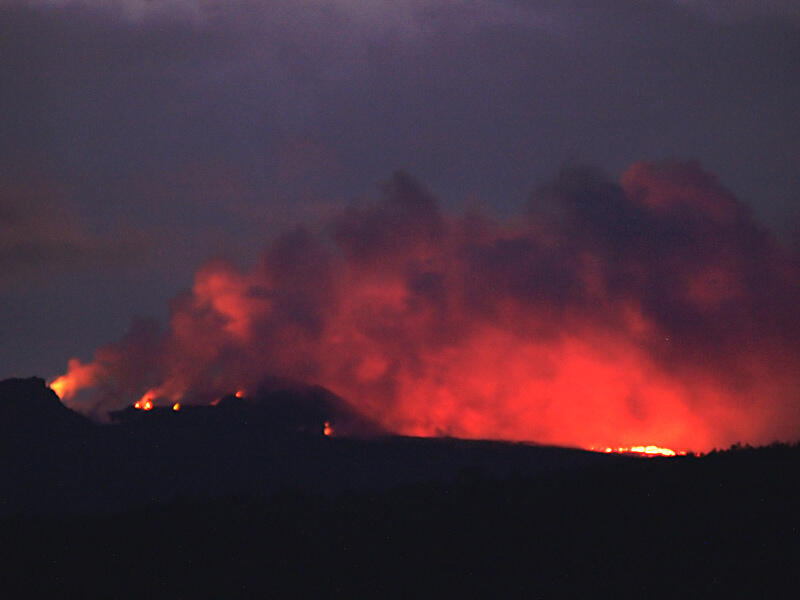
(652,310)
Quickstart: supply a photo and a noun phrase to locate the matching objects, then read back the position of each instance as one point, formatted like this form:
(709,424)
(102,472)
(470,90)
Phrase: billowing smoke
(650,311)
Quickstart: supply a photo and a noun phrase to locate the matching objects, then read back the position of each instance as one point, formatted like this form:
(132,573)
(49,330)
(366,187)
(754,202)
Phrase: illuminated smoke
(653,311)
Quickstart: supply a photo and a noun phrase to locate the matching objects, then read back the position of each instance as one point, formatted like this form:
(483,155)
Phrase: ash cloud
(206,131)
(653,309)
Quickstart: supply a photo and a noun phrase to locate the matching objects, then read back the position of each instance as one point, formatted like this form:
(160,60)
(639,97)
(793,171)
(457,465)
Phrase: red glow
(557,329)
(176,407)
(327,429)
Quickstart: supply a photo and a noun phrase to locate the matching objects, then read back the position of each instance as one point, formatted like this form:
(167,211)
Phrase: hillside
(217,503)
(261,445)
(663,528)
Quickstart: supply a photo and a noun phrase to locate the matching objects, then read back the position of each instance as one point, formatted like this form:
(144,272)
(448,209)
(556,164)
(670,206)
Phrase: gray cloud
(409,17)
(40,235)
(744,9)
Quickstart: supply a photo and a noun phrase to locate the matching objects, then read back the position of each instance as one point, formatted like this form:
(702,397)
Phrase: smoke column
(653,310)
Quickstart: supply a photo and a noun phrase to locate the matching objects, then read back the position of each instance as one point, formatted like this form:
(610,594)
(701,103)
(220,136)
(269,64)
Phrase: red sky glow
(651,311)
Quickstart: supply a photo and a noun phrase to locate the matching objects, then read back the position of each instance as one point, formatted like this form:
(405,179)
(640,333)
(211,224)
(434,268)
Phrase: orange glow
(327,429)
(239,394)
(137,405)
(60,385)
(77,377)
(176,407)
(148,405)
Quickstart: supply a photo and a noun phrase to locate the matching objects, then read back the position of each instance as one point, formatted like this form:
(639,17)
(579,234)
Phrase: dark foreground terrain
(221,508)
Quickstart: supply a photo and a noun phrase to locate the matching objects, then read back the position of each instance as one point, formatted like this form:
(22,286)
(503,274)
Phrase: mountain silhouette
(167,503)
(28,408)
(278,406)
(273,439)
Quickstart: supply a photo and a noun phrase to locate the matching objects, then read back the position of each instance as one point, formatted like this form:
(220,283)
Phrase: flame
(176,407)
(144,404)
(146,401)
(327,429)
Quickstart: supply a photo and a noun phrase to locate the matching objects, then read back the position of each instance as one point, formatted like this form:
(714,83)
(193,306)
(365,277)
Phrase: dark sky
(140,138)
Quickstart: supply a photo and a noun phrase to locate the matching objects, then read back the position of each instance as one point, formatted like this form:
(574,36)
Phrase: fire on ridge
(650,450)
(259,412)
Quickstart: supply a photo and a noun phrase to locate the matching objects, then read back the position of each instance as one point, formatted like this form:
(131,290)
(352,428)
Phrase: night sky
(467,207)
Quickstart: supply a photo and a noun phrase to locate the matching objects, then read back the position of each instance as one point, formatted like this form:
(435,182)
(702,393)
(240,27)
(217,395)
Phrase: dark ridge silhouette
(221,502)
(29,408)
(272,440)
(300,407)
(718,526)
(278,405)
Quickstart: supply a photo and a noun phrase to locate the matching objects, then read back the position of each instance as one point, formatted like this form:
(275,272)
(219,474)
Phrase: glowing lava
(327,429)
(176,407)
(641,451)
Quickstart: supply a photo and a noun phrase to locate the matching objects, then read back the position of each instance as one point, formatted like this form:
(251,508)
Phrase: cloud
(406,16)
(41,234)
(410,17)
(650,310)
(744,9)
(177,120)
